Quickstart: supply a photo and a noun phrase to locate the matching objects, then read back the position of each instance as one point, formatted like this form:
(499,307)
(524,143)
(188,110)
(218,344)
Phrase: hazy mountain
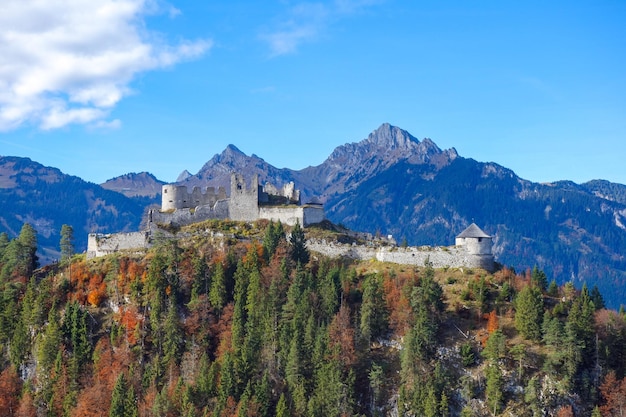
(391,183)
(47,198)
(131,185)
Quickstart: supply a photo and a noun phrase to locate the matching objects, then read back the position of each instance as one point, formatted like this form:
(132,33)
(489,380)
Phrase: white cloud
(72,61)
(306,22)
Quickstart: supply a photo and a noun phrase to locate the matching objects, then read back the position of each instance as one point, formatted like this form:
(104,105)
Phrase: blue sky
(99,88)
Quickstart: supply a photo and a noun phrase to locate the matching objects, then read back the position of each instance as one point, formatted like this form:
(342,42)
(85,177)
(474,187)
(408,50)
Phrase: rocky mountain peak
(183,176)
(392,138)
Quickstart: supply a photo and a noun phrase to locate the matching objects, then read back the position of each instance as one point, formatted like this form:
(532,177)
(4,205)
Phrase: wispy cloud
(306,22)
(71,62)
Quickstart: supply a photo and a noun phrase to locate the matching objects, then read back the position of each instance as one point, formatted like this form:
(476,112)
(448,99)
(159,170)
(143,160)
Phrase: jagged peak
(183,176)
(391,137)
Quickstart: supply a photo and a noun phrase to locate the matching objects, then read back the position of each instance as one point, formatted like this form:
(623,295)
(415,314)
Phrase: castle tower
(475,240)
(477,245)
(174,197)
(244,201)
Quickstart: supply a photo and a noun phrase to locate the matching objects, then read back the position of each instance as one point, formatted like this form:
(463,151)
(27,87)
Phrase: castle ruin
(251,202)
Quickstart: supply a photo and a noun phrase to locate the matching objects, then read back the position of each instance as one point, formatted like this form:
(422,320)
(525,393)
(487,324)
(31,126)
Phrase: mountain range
(388,183)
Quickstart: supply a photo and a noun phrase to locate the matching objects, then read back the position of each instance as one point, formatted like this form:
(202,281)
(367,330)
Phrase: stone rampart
(290,215)
(100,244)
(182,217)
(439,256)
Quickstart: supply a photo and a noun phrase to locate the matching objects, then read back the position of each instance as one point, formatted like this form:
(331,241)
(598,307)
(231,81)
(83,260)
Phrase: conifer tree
(298,251)
(529,312)
(67,242)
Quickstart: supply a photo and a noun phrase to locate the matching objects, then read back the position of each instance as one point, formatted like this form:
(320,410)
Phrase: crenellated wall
(174,197)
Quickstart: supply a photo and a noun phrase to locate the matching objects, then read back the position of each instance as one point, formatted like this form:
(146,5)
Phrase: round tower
(475,241)
(173,197)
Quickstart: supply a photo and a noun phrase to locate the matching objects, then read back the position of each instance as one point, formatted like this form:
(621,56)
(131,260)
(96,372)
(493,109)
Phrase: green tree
(67,242)
(217,293)
(529,312)
(539,278)
(374,314)
(494,390)
(298,251)
(118,397)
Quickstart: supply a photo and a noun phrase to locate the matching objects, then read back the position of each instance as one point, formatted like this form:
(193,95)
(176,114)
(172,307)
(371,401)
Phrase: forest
(241,319)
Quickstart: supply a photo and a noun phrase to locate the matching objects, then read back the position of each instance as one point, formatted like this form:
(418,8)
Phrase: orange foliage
(398,301)
(613,393)
(341,337)
(26,407)
(565,411)
(223,331)
(492,322)
(10,386)
(93,401)
(129,319)
(230,408)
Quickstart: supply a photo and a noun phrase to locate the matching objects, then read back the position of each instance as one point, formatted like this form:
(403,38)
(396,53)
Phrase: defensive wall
(438,256)
(100,244)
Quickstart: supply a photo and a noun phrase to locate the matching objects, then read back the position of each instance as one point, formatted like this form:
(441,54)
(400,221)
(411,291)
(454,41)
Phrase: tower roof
(473,231)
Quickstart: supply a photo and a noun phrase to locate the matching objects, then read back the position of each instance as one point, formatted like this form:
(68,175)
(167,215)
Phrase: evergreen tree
(494,390)
(596,298)
(118,397)
(539,279)
(217,293)
(529,312)
(67,242)
(374,315)
(282,408)
(298,251)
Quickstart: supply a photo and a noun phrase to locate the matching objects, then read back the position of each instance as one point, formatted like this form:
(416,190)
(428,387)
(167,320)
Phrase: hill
(46,198)
(392,183)
(209,324)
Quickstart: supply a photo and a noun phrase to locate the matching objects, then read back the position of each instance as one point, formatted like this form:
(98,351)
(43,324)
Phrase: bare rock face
(183,176)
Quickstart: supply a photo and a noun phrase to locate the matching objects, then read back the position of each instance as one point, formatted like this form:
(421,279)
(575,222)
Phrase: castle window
(480,239)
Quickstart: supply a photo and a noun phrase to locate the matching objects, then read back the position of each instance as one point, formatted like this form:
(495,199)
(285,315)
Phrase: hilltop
(232,318)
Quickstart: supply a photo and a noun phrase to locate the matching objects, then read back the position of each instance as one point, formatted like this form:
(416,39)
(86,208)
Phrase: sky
(100,88)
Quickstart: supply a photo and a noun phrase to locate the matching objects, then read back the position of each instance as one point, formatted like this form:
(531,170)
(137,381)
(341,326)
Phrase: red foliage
(341,337)
(223,331)
(565,411)
(129,319)
(492,322)
(26,407)
(613,392)
(230,408)
(10,386)
(398,301)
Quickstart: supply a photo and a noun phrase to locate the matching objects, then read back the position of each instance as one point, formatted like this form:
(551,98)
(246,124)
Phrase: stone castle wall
(174,197)
(100,244)
(290,215)
(244,200)
(440,257)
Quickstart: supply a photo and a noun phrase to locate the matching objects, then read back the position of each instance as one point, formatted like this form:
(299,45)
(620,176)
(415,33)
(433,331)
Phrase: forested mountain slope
(46,198)
(255,325)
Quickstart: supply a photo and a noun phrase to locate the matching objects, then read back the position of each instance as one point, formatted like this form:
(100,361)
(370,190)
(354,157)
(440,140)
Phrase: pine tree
(118,397)
(494,390)
(529,312)
(217,293)
(374,315)
(539,278)
(67,242)
(298,251)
